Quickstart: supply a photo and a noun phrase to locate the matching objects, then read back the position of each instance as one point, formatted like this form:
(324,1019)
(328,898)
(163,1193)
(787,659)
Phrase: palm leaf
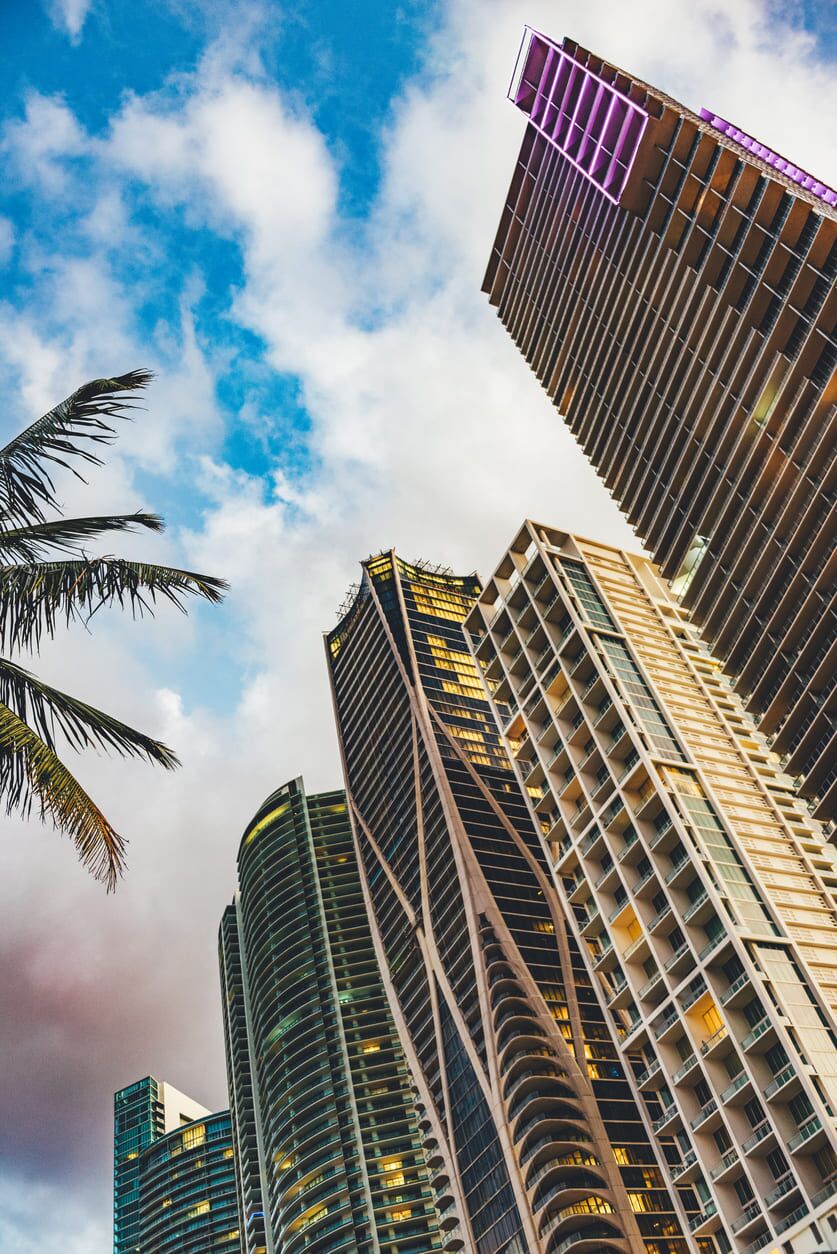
(32,775)
(26,487)
(34,598)
(45,709)
(29,543)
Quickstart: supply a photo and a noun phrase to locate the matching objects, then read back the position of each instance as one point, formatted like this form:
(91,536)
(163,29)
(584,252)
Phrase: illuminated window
(166,1202)
(395,1179)
(228,1152)
(370,1047)
(200,1208)
(392,1164)
(398,1215)
(194,1136)
(712,1019)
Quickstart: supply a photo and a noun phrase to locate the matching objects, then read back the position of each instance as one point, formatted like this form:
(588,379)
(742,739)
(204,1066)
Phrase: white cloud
(69,16)
(41,145)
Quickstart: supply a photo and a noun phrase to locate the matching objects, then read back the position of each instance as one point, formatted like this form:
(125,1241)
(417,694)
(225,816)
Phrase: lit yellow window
(392,1164)
(370,1047)
(543,927)
(712,1019)
(194,1136)
(398,1215)
(166,1202)
(200,1208)
(395,1179)
(621,1155)
(228,1153)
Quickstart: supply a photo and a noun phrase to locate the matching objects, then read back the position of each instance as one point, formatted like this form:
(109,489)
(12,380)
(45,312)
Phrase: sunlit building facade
(670,281)
(697,886)
(326,1123)
(527,1107)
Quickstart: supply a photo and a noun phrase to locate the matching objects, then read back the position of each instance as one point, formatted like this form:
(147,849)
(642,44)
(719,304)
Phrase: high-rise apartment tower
(326,1126)
(696,883)
(156,1180)
(670,280)
(527,1106)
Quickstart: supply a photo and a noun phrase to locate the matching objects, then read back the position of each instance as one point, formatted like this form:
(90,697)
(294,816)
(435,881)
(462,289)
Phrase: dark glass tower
(187,1191)
(670,281)
(524,1094)
(325,1118)
(144,1113)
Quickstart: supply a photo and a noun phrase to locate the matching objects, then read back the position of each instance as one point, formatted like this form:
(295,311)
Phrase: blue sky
(285,210)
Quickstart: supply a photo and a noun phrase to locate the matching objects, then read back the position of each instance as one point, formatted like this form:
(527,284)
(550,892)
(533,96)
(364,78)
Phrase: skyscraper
(188,1201)
(670,280)
(696,883)
(331,1154)
(142,1112)
(525,1098)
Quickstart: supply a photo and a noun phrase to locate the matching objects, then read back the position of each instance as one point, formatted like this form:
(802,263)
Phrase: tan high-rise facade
(670,280)
(695,882)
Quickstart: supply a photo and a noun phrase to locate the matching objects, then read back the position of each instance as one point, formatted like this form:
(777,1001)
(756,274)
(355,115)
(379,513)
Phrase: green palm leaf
(31,542)
(26,486)
(46,709)
(34,598)
(32,775)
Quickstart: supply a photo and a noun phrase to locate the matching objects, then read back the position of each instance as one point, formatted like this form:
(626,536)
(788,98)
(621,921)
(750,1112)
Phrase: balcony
(825,1193)
(794,1217)
(703,1114)
(648,1073)
(780,1081)
(807,1131)
(661,832)
(693,995)
(677,961)
(714,943)
(760,1134)
(678,869)
(619,908)
(713,1041)
(634,947)
(763,1239)
(664,1024)
(630,842)
(726,1165)
(655,983)
(670,1113)
(739,1084)
(705,1216)
(679,1169)
(787,1184)
(740,982)
(695,906)
(604,953)
(750,1215)
(660,918)
(684,1069)
(761,1028)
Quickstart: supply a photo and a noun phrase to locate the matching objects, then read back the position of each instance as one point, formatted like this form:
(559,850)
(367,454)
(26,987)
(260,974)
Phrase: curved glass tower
(187,1191)
(319,1086)
(525,1096)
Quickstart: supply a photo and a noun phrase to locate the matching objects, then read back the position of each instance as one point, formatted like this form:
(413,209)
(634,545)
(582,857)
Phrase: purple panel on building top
(596,127)
(791,171)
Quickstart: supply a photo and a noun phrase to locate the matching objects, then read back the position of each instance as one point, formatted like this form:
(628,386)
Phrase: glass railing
(809,1128)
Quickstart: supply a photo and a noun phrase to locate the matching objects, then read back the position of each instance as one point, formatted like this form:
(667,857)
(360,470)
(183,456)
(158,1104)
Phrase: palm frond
(68,433)
(32,542)
(35,598)
(32,775)
(46,709)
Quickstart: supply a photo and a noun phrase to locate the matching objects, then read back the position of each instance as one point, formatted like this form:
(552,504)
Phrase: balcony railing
(758,1031)
(809,1128)
(738,1083)
(703,1114)
(738,983)
(779,1081)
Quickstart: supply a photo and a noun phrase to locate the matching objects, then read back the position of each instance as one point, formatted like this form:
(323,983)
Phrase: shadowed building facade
(670,281)
(174,1177)
(525,1101)
(696,883)
(330,1152)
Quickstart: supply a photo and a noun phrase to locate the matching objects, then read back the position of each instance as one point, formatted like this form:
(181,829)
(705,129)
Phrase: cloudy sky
(285,210)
